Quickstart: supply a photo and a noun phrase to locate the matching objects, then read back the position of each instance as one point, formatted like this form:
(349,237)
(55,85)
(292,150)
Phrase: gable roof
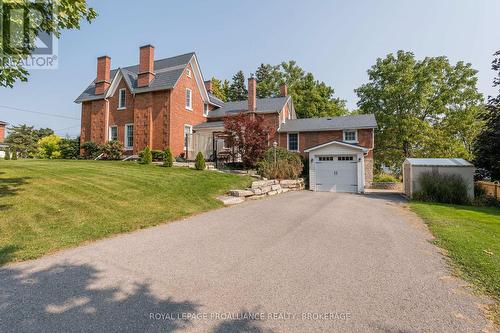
(336,142)
(263,105)
(215,100)
(329,123)
(167,73)
(438,162)
(3,123)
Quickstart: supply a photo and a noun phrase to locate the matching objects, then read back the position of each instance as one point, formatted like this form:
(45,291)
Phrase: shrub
(385,178)
(180,158)
(7,153)
(288,165)
(13,152)
(48,147)
(158,155)
(481,198)
(112,150)
(436,187)
(70,148)
(200,162)
(146,157)
(91,150)
(168,160)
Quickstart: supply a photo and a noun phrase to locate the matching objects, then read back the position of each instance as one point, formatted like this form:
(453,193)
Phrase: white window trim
(190,107)
(206,109)
(109,134)
(125,138)
(355,136)
(120,99)
(188,73)
(184,134)
(288,141)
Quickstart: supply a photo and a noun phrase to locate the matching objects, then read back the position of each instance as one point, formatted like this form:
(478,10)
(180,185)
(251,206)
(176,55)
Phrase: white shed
(414,167)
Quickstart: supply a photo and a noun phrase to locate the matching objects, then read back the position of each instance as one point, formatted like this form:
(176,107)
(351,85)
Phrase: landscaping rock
(272,193)
(257,191)
(286,190)
(241,193)
(275,187)
(261,183)
(265,189)
(289,183)
(229,200)
(255,197)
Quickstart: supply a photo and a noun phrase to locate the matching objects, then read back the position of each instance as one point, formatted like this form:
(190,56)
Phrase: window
(293,141)
(345,158)
(188,72)
(188,129)
(205,109)
(333,158)
(121,99)
(189,99)
(350,136)
(113,133)
(325,158)
(129,136)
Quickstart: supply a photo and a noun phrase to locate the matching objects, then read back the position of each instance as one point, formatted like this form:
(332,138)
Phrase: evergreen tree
(268,80)
(14,154)
(487,145)
(168,161)
(237,89)
(218,89)
(146,157)
(200,162)
(7,153)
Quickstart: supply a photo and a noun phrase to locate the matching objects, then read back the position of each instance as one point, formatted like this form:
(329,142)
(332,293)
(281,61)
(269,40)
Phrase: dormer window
(121,99)
(351,136)
(188,72)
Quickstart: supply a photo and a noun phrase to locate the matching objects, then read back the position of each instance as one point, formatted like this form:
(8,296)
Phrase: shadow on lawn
(11,186)
(69,298)
(242,324)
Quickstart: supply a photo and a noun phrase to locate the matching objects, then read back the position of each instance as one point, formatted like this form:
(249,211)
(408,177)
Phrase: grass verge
(471,236)
(50,205)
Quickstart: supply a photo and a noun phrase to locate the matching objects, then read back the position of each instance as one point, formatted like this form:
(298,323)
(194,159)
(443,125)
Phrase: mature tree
(237,89)
(23,139)
(268,80)
(70,148)
(218,89)
(248,136)
(40,17)
(42,132)
(49,147)
(425,108)
(487,145)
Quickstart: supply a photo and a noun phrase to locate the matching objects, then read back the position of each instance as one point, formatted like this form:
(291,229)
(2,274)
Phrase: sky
(337,41)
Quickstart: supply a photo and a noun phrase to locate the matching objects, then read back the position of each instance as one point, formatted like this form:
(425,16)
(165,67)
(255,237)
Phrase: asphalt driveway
(300,262)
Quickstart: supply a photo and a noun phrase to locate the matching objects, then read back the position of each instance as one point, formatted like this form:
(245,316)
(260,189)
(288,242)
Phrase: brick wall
(2,133)
(179,115)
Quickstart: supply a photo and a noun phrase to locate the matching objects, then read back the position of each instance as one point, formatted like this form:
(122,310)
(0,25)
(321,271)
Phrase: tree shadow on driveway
(68,298)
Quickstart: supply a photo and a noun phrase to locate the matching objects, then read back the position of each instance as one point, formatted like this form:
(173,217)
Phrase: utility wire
(37,112)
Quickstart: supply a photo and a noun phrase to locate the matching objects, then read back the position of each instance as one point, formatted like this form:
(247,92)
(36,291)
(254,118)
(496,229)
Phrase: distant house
(3,124)
(166,103)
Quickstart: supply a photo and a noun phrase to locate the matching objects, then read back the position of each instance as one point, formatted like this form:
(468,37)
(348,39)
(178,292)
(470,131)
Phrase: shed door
(336,173)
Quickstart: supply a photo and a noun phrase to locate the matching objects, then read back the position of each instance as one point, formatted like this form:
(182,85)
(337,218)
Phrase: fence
(491,189)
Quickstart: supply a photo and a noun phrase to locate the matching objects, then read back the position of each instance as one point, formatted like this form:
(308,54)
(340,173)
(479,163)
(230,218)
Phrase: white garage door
(336,173)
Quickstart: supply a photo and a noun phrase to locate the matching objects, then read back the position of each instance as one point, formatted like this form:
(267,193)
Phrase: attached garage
(336,167)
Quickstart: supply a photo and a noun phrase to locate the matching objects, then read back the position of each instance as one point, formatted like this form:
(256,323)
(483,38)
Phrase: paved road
(300,262)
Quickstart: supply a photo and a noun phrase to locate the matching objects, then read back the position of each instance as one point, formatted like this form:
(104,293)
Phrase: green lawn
(50,205)
(471,235)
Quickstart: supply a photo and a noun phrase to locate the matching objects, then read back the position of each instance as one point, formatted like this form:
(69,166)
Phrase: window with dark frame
(129,142)
(293,141)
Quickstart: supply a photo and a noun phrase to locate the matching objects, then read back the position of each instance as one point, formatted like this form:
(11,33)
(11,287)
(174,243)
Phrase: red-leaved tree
(248,136)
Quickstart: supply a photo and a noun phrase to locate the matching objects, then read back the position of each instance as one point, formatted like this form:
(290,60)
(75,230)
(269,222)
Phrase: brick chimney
(103,80)
(146,65)
(2,131)
(208,86)
(252,94)
(283,90)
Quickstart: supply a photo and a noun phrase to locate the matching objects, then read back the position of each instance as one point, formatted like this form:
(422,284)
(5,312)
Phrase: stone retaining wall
(262,188)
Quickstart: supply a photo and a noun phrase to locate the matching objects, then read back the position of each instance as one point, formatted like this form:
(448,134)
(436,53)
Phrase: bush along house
(166,103)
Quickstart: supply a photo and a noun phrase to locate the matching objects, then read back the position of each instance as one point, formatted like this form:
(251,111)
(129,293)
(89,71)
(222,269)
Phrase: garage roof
(438,162)
(329,123)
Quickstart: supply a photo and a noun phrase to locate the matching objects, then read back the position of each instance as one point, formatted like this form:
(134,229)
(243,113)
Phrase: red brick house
(2,130)
(166,103)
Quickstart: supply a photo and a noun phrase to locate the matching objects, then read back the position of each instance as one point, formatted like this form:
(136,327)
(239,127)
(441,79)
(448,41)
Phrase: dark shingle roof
(3,123)
(329,123)
(215,100)
(209,124)
(167,72)
(273,104)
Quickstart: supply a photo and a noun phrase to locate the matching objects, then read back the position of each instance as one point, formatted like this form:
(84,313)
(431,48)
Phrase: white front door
(336,173)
